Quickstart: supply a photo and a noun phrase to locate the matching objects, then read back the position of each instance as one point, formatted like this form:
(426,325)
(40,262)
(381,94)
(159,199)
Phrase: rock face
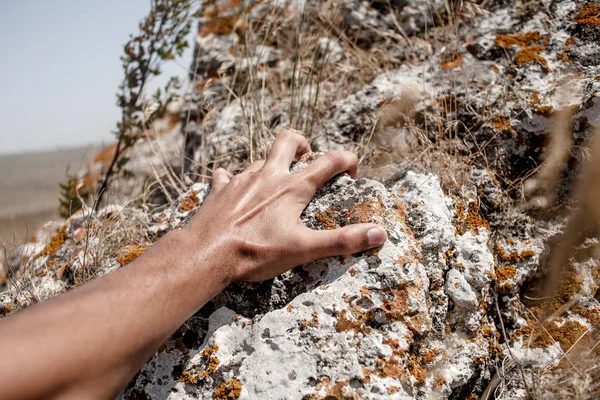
(448,307)
(401,321)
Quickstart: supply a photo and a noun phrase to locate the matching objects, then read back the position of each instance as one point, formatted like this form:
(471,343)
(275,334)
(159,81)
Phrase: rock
(346,323)
(422,317)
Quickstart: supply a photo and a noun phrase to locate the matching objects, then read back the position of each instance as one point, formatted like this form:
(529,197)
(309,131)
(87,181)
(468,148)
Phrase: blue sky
(60,68)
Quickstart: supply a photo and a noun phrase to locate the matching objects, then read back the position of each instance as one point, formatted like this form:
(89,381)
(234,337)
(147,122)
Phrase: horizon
(59,88)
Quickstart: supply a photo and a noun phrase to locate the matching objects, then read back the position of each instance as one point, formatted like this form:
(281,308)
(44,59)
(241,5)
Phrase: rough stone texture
(371,325)
(424,316)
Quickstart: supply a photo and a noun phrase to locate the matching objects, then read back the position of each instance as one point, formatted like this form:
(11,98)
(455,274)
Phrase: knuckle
(304,184)
(335,157)
(292,135)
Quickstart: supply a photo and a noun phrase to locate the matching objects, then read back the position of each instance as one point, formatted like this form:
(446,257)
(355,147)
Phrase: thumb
(344,241)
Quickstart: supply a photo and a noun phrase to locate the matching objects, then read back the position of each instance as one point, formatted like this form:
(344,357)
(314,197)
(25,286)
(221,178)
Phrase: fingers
(254,167)
(343,241)
(329,165)
(287,146)
(220,178)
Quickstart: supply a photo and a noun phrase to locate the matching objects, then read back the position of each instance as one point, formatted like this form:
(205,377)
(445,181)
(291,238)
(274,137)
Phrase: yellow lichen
(228,390)
(56,242)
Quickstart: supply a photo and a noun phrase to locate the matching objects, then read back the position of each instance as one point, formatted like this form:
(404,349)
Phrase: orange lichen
(527,39)
(106,155)
(513,257)
(393,389)
(130,253)
(525,254)
(400,211)
(588,15)
(228,390)
(56,242)
(469,220)
(454,61)
(566,334)
(189,203)
(544,110)
(416,370)
(396,308)
(429,356)
(501,123)
(4,311)
(528,55)
(213,362)
(218,26)
(210,350)
(290,308)
(326,220)
(356,324)
(365,293)
(365,211)
(505,273)
(571,282)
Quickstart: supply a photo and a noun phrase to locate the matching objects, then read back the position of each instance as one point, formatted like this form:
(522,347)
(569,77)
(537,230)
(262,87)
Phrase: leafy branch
(161,37)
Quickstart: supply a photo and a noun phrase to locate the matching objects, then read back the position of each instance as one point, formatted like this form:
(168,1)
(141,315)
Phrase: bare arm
(90,342)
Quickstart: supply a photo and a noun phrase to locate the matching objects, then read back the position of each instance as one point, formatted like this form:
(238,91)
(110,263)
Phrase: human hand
(252,221)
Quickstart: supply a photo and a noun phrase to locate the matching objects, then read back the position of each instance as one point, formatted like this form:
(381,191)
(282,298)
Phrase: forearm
(93,339)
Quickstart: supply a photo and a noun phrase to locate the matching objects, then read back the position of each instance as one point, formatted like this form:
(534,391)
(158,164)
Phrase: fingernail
(376,236)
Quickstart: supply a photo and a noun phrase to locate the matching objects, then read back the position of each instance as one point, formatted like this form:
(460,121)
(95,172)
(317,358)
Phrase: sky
(60,68)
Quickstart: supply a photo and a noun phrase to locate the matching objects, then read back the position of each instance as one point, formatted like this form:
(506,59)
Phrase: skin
(91,341)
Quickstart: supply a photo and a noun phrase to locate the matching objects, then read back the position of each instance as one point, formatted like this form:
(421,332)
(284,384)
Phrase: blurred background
(60,71)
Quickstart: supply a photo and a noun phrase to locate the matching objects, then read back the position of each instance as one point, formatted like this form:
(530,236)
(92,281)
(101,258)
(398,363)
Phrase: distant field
(29,189)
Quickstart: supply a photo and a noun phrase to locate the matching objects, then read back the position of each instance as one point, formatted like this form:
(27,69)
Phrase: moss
(56,242)
(228,390)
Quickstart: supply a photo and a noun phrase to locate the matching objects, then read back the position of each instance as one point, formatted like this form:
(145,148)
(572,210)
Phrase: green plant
(161,37)
(70,202)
